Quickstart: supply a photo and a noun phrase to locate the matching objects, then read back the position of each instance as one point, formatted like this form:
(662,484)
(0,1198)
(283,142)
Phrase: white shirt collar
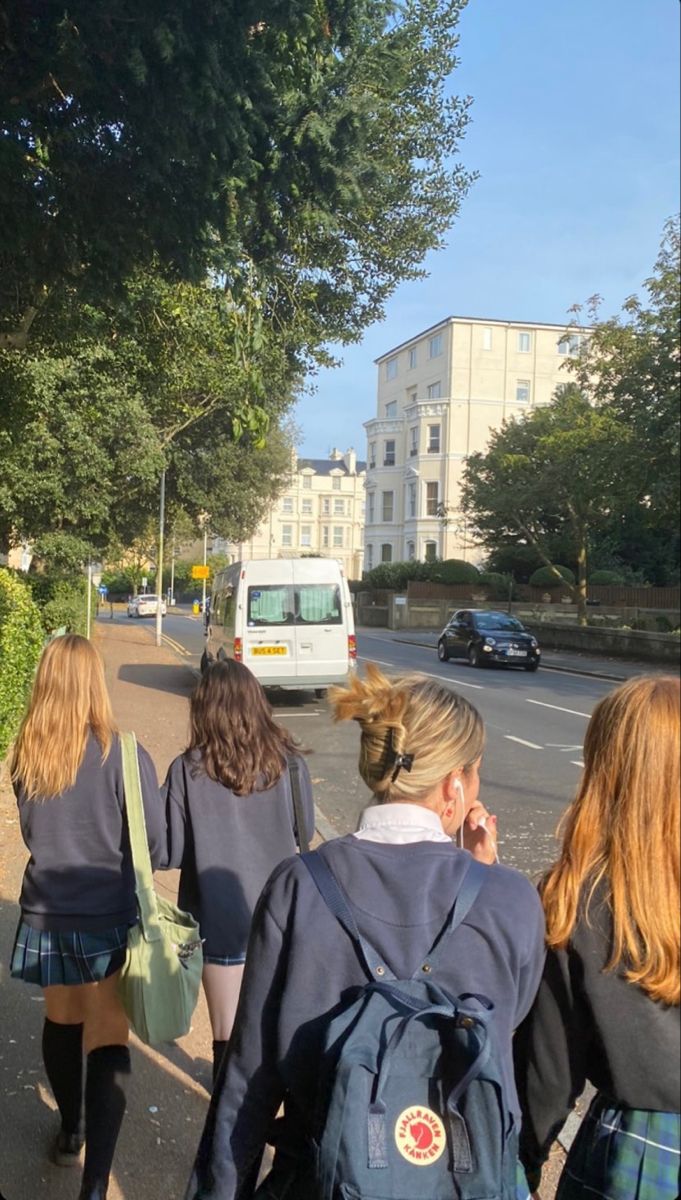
(399,824)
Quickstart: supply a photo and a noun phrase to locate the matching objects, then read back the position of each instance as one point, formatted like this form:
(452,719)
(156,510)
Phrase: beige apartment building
(440,394)
(321,512)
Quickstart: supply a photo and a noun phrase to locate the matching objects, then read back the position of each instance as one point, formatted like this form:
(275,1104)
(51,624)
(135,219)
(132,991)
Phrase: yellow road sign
(200,572)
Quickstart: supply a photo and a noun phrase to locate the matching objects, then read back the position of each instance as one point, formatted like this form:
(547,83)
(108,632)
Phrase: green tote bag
(160,980)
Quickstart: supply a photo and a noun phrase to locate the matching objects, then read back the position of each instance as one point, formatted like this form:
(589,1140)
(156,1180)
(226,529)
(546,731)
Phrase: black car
(483,636)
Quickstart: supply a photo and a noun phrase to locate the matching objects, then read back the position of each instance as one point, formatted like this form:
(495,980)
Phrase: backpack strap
(475,876)
(332,895)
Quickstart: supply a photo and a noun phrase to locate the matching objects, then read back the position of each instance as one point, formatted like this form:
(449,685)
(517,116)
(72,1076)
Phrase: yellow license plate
(269,650)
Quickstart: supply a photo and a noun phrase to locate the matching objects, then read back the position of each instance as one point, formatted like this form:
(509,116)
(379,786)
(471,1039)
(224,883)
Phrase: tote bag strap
(296,796)
(137,830)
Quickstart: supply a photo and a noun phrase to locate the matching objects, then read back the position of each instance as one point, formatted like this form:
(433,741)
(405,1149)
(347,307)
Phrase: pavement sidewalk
(617,670)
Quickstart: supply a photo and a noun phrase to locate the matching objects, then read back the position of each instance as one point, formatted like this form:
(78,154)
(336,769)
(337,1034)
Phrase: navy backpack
(411,1103)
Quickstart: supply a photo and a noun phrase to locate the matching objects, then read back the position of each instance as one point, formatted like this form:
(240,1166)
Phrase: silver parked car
(145,606)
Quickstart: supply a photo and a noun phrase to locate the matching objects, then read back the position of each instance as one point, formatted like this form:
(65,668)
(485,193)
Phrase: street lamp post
(205,562)
(159,564)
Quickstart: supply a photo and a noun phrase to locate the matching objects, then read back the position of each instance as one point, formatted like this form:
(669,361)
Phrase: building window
(386,552)
(307,481)
(524,343)
(413,441)
(287,504)
(326,506)
(325,535)
(432,490)
(307,505)
(571,343)
(336,483)
(389,454)
(435,346)
(487,338)
(338,535)
(411,551)
(433,439)
(434,390)
(371,507)
(391,368)
(339,508)
(413,358)
(306,535)
(430,554)
(411,499)
(287,535)
(522,391)
(372,454)
(369,557)
(387,506)
(391,409)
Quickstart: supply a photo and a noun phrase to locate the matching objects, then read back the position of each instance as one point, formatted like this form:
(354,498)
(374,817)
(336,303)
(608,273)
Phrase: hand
(480,834)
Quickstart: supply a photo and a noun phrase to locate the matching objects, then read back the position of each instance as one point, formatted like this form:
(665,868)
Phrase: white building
(321,512)
(440,394)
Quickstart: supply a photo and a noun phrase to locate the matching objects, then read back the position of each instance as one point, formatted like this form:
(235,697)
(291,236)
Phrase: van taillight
(238,649)
(352,646)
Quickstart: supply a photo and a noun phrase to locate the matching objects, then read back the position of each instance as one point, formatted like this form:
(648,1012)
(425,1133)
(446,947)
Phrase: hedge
(606,578)
(62,602)
(396,575)
(545,577)
(21,641)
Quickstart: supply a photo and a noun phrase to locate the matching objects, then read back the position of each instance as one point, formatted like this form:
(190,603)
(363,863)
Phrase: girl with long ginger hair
(78,895)
(231,820)
(608,1007)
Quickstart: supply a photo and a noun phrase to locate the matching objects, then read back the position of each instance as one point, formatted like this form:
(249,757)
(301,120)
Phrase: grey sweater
(79,877)
(589,1024)
(300,962)
(226,847)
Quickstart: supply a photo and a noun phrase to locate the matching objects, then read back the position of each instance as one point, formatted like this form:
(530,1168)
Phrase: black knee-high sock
(219,1049)
(63,1058)
(108,1068)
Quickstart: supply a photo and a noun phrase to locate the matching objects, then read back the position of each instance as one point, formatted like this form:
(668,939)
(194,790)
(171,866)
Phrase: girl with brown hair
(608,1007)
(231,820)
(78,895)
(400,875)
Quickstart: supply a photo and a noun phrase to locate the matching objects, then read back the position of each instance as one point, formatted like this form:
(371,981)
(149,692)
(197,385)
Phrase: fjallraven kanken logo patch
(420,1136)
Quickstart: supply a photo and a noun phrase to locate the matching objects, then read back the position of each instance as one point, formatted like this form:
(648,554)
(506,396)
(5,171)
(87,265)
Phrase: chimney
(335,455)
(350,460)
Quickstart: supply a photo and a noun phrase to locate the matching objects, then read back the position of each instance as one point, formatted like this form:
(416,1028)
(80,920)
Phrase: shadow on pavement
(178,680)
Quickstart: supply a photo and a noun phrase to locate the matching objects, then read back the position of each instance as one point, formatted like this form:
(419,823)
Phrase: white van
(289,620)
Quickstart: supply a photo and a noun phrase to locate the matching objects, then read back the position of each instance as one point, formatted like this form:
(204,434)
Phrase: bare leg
(222,986)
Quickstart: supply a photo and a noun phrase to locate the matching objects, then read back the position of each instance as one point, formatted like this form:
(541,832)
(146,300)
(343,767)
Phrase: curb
(547,666)
(323,826)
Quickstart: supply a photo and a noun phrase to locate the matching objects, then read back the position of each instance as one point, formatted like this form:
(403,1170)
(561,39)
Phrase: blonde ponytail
(436,729)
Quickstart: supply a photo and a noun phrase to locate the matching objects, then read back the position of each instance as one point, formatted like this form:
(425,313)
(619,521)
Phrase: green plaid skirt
(48,958)
(623,1154)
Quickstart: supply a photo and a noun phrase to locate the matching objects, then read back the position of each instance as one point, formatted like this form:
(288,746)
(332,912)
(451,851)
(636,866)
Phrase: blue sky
(575,133)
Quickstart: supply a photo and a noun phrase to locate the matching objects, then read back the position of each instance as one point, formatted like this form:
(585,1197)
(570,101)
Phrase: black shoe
(67,1149)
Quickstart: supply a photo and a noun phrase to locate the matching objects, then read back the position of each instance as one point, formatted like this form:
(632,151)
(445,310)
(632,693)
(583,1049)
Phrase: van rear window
(306,604)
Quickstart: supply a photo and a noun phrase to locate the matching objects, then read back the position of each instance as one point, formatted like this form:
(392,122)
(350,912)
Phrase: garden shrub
(452,570)
(62,602)
(497,585)
(606,578)
(394,576)
(21,640)
(545,577)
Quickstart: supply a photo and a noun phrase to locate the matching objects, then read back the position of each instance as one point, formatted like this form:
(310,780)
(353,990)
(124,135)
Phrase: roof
(566,327)
(324,466)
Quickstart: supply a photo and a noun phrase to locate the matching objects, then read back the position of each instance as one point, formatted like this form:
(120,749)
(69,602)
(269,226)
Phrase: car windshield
(146,598)
(304,604)
(499,622)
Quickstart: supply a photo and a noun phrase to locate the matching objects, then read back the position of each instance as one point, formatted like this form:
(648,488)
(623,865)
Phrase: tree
(556,472)
(301,151)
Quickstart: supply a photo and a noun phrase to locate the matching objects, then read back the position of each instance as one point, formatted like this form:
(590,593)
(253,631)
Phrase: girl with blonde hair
(608,1007)
(78,895)
(400,875)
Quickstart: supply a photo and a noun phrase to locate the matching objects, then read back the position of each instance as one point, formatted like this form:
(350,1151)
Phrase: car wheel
(320,693)
(474,656)
(533,666)
(442,651)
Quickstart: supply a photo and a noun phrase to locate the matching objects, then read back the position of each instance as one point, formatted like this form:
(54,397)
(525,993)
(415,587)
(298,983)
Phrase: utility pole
(172,571)
(88,619)
(205,561)
(159,564)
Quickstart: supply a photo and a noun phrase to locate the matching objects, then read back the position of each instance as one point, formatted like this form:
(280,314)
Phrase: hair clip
(405,761)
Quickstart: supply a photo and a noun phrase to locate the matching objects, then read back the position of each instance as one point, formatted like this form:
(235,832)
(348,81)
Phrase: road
(535,727)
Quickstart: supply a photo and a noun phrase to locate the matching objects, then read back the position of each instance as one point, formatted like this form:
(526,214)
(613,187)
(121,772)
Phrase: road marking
(573,711)
(176,645)
(521,741)
(446,678)
(576,762)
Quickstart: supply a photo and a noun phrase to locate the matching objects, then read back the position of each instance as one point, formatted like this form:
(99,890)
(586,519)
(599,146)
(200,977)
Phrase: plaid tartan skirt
(623,1154)
(48,958)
